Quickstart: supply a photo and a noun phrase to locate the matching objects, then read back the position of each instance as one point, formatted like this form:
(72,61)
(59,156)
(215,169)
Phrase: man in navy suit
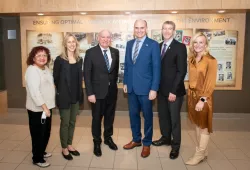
(141,82)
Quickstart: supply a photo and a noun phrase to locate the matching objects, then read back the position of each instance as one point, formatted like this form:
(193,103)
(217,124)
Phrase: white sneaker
(47,155)
(42,165)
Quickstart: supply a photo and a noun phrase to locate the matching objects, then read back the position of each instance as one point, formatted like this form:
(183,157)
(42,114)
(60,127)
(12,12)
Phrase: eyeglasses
(41,55)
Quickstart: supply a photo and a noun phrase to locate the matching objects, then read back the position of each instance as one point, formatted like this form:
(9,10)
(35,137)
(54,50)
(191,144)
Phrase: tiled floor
(229,147)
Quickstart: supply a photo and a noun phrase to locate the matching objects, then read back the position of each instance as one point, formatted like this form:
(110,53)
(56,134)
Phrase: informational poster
(223,46)
(119,41)
(51,40)
(182,35)
(86,41)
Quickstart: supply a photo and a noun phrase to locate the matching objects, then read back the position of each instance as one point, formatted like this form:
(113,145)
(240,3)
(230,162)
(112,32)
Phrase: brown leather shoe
(131,145)
(145,151)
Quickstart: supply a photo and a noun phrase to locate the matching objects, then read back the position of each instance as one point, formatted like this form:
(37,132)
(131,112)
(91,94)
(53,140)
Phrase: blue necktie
(136,52)
(163,50)
(106,59)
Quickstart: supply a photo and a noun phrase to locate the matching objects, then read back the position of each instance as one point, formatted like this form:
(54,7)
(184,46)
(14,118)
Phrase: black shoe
(161,141)
(111,144)
(174,154)
(97,149)
(75,153)
(68,157)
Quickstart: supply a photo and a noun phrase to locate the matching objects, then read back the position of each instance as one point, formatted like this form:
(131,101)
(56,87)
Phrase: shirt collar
(103,48)
(141,40)
(169,41)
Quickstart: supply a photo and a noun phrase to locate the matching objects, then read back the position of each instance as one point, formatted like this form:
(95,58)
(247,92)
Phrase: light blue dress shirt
(140,45)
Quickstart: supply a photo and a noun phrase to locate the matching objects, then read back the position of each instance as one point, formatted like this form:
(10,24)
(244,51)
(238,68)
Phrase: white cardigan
(40,88)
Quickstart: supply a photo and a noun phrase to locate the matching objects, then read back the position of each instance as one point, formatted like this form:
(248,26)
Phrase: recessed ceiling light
(127,12)
(40,14)
(174,12)
(83,13)
(221,11)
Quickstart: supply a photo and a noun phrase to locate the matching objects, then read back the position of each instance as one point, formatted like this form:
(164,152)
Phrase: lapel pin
(146,44)
(168,47)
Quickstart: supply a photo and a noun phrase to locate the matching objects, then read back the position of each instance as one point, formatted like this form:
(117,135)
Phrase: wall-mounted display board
(225,32)
(223,46)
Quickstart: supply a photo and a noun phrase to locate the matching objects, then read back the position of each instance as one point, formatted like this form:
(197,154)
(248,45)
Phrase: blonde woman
(69,94)
(202,79)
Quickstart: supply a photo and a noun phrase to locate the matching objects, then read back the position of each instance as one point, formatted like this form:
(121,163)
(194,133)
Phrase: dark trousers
(40,134)
(170,119)
(138,103)
(103,108)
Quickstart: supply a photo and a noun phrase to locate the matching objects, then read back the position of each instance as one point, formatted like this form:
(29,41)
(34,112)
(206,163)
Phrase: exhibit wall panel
(225,101)
(226,33)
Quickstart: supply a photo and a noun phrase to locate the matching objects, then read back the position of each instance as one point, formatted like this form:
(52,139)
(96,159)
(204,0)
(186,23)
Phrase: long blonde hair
(192,53)
(64,54)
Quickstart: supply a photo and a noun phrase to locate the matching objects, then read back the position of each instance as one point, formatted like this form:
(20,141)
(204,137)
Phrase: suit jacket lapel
(169,47)
(161,47)
(113,59)
(131,50)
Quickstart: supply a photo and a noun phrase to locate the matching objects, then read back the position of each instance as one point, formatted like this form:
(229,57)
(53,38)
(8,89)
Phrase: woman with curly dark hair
(39,102)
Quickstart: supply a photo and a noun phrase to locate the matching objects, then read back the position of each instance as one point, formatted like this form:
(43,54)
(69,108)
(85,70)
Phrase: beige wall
(24,6)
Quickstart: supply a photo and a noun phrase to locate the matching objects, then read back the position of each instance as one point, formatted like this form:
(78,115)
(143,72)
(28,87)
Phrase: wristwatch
(202,99)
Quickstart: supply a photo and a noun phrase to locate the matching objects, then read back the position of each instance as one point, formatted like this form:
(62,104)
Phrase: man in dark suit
(141,82)
(172,89)
(101,67)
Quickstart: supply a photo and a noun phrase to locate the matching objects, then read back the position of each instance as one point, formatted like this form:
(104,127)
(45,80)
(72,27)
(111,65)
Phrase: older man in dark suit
(101,67)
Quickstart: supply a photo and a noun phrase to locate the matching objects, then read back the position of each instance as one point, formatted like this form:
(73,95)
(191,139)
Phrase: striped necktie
(106,59)
(136,52)
(163,50)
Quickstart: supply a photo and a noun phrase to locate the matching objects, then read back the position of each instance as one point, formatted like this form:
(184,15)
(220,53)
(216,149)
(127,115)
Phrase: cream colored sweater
(40,88)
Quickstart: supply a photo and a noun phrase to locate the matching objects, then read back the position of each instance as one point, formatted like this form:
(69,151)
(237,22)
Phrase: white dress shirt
(40,88)
(109,55)
(167,43)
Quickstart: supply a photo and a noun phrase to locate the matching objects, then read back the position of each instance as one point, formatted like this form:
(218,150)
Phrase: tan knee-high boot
(200,151)
(198,136)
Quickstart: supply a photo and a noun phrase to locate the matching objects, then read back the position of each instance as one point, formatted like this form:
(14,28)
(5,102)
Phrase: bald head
(142,22)
(104,38)
(140,28)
